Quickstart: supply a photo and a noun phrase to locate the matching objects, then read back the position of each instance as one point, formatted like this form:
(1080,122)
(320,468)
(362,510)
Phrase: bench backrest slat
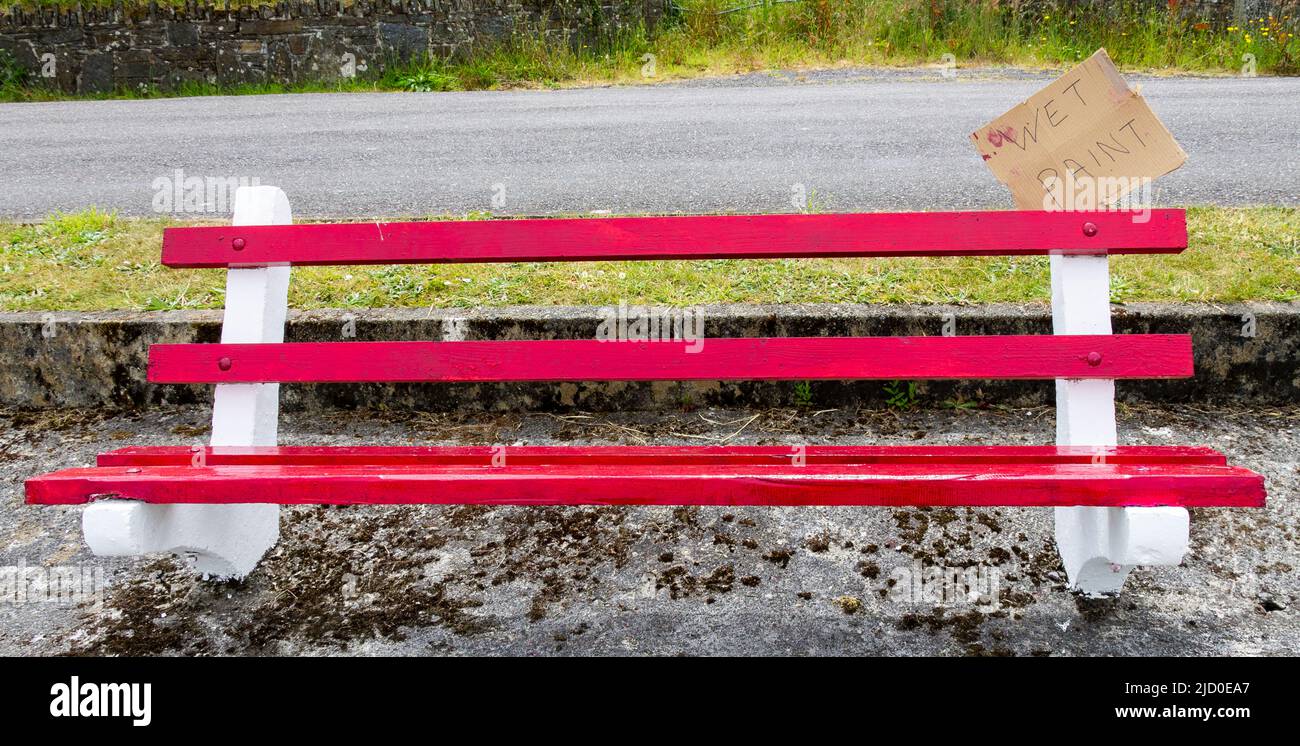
(652,455)
(727,359)
(1007,233)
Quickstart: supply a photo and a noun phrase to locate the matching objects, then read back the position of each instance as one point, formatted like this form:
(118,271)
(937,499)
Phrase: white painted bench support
(1100,546)
(224,541)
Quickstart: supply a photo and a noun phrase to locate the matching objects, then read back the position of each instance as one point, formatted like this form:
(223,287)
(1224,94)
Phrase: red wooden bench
(1117,506)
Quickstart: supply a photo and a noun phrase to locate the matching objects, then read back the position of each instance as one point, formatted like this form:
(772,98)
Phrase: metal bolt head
(224,363)
(1089,229)
(237,244)
(1094,359)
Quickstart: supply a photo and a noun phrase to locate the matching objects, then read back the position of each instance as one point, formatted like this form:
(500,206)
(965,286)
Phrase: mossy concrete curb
(1245,354)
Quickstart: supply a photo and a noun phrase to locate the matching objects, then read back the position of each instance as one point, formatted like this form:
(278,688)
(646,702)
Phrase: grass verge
(95,261)
(702,38)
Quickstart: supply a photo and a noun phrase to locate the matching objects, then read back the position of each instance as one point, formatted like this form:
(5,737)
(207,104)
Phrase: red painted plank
(784,358)
(1188,485)
(975,233)
(653,455)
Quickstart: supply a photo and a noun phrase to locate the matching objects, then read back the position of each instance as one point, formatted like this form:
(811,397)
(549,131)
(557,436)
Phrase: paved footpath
(459,580)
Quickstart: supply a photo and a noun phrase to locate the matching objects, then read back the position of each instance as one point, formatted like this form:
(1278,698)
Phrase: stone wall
(100,49)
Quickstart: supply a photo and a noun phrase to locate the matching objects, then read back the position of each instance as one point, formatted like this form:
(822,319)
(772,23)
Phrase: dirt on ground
(472,580)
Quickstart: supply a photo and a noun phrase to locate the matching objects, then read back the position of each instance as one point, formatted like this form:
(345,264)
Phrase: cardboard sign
(1085,138)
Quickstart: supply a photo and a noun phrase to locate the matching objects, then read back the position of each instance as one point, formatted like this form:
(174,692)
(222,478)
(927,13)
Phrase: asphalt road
(854,140)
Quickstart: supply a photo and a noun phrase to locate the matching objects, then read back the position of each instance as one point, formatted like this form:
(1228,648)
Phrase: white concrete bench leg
(221,540)
(1100,546)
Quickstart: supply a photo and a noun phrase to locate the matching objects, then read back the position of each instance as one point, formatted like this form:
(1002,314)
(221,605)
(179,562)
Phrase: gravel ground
(660,581)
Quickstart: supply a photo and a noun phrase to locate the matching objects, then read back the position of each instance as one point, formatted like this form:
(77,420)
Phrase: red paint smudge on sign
(1006,134)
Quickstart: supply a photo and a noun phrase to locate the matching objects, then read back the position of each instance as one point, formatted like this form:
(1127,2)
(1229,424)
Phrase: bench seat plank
(970,233)
(1186,485)
(784,358)
(652,455)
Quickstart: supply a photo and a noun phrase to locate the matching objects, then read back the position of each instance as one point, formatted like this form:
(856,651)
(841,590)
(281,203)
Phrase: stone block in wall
(495,28)
(96,73)
(352,21)
(66,62)
(132,68)
(60,36)
(178,76)
(184,56)
(404,40)
(261,27)
(279,61)
(135,55)
(182,34)
(132,73)
(235,68)
(111,40)
(218,27)
(24,52)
